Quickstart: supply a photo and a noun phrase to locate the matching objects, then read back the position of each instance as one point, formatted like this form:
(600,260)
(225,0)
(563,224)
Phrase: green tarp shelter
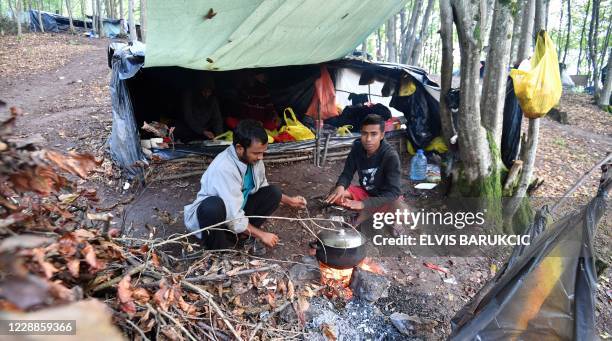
(221,35)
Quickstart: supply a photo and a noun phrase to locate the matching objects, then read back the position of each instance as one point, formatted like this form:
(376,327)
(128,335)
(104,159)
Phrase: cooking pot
(341,249)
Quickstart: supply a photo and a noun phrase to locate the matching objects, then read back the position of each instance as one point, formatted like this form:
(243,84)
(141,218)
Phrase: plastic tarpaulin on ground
(547,289)
(237,34)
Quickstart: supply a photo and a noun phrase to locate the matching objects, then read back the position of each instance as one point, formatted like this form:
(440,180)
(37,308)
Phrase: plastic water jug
(418,166)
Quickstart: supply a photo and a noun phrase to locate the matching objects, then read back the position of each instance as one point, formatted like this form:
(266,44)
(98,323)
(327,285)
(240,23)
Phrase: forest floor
(61,83)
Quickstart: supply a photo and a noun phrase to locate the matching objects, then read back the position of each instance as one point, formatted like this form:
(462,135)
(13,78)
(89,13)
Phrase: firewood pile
(57,249)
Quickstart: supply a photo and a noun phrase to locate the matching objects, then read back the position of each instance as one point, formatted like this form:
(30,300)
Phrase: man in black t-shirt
(378,167)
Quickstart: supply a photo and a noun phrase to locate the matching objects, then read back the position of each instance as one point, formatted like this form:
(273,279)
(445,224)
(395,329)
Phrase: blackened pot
(340,249)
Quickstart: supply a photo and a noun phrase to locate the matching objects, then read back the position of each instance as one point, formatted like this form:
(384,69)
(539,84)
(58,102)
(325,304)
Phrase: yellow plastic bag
(344,130)
(271,135)
(227,136)
(407,87)
(437,145)
(539,89)
(295,128)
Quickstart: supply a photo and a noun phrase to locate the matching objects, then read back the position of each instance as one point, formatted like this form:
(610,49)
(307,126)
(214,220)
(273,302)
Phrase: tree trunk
(18,16)
(391,44)
(411,32)
(94,20)
(604,99)
(540,19)
(379,54)
(531,147)
(586,15)
(569,30)
(446,70)
(100,20)
(402,27)
(525,44)
(40,22)
(516,30)
(121,17)
(416,53)
(132,26)
(143,21)
(560,32)
(364,49)
(496,72)
(69,8)
(473,145)
(592,43)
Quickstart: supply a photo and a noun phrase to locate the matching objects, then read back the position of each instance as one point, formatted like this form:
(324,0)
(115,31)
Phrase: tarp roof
(259,33)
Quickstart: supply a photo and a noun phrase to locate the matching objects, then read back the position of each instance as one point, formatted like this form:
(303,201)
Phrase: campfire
(337,281)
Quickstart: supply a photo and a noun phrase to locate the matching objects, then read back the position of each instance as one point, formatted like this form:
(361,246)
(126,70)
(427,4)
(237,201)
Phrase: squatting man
(235,186)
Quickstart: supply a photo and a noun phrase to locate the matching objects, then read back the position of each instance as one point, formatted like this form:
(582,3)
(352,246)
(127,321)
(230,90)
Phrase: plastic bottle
(418,166)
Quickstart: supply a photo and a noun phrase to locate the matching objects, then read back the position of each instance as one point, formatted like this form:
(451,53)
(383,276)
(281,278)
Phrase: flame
(369,265)
(337,280)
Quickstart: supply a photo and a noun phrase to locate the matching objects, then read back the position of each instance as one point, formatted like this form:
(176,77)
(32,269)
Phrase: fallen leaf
(73,267)
(141,295)
(124,295)
(271,299)
(76,164)
(48,268)
(211,14)
(290,290)
(328,332)
(89,254)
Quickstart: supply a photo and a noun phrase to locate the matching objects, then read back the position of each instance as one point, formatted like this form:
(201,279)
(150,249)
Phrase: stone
(304,272)
(403,322)
(368,285)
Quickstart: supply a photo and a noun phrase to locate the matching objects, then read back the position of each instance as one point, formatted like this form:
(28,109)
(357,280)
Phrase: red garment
(284,137)
(357,192)
(324,97)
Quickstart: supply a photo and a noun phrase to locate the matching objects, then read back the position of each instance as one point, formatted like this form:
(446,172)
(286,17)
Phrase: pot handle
(314,245)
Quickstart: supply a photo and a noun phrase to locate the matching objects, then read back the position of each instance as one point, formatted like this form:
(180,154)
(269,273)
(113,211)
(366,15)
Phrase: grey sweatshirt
(224,178)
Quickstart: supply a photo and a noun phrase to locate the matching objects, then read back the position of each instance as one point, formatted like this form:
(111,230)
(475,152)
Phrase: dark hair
(249,130)
(373,119)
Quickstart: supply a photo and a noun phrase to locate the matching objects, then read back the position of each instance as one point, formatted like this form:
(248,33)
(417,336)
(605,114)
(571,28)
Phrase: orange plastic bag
(324,97)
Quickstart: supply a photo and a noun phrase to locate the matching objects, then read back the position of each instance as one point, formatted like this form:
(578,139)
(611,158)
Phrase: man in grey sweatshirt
(235,186)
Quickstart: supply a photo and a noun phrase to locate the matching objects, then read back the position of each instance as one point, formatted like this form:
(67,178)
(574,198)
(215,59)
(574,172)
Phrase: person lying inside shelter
(200,114)
(235,186)
(378,167)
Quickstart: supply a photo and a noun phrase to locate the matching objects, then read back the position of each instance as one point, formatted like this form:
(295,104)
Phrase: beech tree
(143,20)
(132,26)
(606,92)
(479,174)
(391,44)
(69,9)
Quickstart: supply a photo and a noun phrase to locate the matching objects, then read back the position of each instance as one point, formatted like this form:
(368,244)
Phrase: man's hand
(336,196)
(297,201)
(209,134)
(353,204)
(269,239)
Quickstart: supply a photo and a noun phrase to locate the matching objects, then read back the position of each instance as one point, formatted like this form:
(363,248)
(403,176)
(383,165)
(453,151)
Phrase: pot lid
(342,238)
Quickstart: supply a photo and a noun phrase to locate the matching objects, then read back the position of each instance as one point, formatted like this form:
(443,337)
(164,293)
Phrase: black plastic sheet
(547,289)
(422,114)
(511,130)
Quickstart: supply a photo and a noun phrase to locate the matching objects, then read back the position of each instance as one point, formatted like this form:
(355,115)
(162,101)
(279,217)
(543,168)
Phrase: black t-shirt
(379,174)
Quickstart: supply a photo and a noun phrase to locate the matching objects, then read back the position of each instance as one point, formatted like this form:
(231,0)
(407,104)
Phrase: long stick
(117,279)
(185,235)
(221,277)
(605,160)
(274,312)
(206,295)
